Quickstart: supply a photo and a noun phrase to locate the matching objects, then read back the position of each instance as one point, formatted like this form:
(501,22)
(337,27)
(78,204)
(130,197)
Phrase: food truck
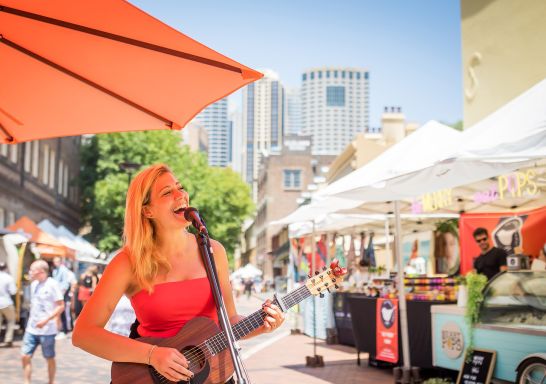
(512,324)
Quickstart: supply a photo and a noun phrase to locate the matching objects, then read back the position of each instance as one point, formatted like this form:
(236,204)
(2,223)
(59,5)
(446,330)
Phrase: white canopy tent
(433,158)
(85,251)
(249,271)
(505,141)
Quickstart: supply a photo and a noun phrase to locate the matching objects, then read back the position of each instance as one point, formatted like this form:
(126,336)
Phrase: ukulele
(204,345)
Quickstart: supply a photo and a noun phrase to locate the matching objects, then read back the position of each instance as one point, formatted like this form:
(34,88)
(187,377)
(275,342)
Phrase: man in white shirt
(46,303)
(7,310)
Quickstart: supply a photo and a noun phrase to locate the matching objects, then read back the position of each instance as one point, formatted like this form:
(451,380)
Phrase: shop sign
(434,201)
(517,184)
(452,340)
(387,330)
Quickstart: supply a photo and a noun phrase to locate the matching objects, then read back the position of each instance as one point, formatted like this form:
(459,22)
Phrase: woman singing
(160,270)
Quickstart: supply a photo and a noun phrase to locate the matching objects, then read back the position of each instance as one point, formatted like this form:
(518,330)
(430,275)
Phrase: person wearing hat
(7,310)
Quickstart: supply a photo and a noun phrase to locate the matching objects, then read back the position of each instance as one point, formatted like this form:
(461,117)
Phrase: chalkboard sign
(479,368)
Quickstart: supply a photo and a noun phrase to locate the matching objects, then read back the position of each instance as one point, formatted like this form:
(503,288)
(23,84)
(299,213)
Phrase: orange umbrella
(74,67)
(47,245)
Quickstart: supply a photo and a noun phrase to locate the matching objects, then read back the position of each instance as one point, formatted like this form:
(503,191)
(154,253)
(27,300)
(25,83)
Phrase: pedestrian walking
(249,284)
(46,303)
(65,278)
(161,271)
(87,284)
(7,310)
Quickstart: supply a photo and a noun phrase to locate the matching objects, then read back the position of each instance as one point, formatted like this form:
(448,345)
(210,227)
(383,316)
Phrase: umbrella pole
(205,250)
(401,293)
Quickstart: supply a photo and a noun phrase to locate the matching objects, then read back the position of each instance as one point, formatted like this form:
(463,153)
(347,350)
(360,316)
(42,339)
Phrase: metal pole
(401,290)
(387,244)
(312,272)
(205,250)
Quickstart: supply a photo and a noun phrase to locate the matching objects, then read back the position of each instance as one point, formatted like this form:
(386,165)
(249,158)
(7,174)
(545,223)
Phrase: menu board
(478,369)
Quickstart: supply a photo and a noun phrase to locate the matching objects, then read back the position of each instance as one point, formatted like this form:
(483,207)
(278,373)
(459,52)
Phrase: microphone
(191,214)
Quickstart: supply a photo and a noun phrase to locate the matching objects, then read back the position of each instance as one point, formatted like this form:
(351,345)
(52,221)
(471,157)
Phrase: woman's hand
(170,363)
(274,316)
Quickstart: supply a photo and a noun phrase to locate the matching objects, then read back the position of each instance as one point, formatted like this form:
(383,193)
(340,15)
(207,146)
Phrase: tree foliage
(222,198)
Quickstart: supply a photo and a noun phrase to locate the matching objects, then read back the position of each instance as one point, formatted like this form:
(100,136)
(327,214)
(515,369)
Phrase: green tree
(222,198)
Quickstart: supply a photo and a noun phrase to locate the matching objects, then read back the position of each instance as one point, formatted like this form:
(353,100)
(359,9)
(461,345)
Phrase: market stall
(512,324)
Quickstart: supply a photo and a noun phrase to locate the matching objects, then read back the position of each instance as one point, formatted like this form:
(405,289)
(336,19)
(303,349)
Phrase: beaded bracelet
(150,353)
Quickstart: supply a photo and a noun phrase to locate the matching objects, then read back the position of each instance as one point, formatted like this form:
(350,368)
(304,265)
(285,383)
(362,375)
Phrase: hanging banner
(521,232)
(386,347)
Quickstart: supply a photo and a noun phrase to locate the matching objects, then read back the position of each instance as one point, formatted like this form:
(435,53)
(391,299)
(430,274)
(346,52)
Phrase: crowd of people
(55,297)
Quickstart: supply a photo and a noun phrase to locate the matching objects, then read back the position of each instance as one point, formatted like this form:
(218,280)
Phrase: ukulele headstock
(327,280)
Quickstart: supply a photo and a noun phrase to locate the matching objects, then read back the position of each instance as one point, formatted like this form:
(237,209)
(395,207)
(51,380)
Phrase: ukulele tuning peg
(324,268)
(309,275)
(321,295)
(333,280)
(337,286)
(317,272)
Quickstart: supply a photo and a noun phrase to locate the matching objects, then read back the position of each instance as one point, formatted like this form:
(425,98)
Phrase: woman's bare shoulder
(217,246)
(122,259)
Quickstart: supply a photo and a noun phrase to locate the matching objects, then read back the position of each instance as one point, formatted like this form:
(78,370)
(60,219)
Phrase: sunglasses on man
(481,239)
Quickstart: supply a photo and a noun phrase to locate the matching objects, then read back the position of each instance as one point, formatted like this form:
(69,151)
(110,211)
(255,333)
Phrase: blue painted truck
(512,323)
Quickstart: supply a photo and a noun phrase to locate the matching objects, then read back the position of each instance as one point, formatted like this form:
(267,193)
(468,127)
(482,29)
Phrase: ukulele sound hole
(195,356)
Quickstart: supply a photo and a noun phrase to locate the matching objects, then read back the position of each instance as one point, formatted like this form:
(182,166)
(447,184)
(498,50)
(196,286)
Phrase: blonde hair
(41,264)
(139,232)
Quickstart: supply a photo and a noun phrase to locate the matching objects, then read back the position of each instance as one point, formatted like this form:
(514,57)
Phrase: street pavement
(277,357)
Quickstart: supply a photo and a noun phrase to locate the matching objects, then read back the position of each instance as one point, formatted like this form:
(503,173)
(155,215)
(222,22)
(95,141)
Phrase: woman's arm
(90,335)
(274,317)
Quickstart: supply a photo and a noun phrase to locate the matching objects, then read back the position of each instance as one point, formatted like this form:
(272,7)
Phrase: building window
(319,74)
(342,74)
(28,155)
(335,96)
(35,155)
(304,77)
(13,154)
(312,75)
(358,75)
(52,169)
(2,218)
(45,168)
(65,185)
(292,178)
(11,218)
(4,150)
(366,75)
(60,178)
(327,74)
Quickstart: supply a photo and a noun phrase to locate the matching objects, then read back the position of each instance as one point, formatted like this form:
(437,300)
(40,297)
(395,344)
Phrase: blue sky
(411,47)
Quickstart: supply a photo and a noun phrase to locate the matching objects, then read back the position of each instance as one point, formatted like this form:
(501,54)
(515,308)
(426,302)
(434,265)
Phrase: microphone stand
(205,249)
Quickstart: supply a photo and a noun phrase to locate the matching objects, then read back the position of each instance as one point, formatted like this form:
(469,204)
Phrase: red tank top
(171,305)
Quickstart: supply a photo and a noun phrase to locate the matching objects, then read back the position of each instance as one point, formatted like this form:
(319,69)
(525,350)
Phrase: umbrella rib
(6,133)
(84,80)
(119,38)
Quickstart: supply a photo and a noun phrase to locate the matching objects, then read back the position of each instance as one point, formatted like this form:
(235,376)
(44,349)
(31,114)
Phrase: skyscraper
(263,123)
(335,106)
(292,120)
(215,120)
